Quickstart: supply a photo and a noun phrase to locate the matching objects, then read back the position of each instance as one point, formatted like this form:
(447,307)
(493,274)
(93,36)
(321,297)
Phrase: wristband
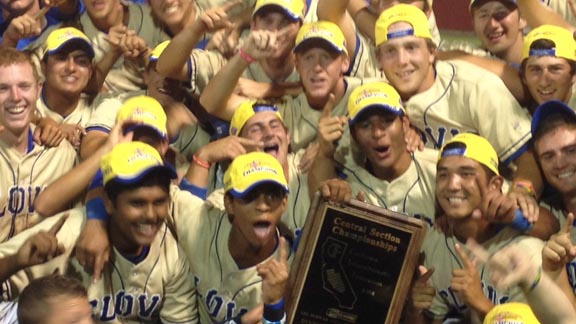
(536,280)
(274,312)
(245,56)
(525,186)
(520,222)
(282,321)
(203,163)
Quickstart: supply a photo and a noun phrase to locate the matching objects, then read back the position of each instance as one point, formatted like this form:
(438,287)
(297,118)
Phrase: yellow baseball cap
(157,51)
(374,95)
(292,8)
(321,31)
(402,13)
(474,147)
(250,170)
(517,313)
(129,162)
(476,3)
(60,37)
(145,111)
(565,46)
(245,111)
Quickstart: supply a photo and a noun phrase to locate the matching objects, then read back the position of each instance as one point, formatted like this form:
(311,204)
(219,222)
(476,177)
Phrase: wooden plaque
(354,264)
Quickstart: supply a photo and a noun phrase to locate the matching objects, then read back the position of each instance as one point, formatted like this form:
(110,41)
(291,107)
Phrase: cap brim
(314,42)
(169,169)
(507,3)
(80,44)
(375,108)
(134,127)
(276,8)
(548,108)
(241,194)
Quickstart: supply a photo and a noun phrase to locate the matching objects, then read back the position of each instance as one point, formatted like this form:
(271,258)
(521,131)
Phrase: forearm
(8,267)
(481,307)
(364,18)
(322,169)
(217,94)
(176,54)
(548,300)
(101,70)
(537,14)
(528,171)
(58,196)
(91,143)
(545,226)
(335,11)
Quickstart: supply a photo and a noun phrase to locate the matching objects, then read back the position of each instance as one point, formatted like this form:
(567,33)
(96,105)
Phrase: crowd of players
(158,159)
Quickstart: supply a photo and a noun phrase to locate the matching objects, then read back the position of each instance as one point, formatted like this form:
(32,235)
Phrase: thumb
(425,274)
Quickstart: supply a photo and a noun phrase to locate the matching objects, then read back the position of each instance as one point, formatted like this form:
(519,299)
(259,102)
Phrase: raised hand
(330,128)
(466,281)
(559,249)
(41,247)
(274,275)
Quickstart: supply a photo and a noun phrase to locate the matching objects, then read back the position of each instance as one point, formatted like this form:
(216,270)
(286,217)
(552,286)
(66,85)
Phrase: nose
(454,182)
(377,131)
(70,64)
(403,56)
(15,93)
(262,202)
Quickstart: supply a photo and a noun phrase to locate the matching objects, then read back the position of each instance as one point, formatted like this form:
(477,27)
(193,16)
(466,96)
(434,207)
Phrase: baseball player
(553,131)
(149,279)
(500,28)
(446,98)
(389,175)
(321,61)
(225,248)
(67,67)
(549,65)
(26,167)
(467,173)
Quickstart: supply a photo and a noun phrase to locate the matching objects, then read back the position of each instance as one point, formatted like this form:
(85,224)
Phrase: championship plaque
(354,264)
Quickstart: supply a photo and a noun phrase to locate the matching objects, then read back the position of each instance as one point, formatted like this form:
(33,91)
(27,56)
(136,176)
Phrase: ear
(345,63)
(108,205)
(164,147)
(522,24)
(496,183)
(432,56)
(228,204)
(405,122)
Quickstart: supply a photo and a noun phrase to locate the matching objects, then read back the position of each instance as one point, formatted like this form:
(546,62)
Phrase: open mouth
(382,151)
(272,149)
(262,229)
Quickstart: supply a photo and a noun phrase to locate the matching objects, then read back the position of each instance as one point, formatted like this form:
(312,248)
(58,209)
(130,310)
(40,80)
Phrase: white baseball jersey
(443,257)
(224,290)
(202,67)
(80,116)
(23,177)
(157,287)
(562,7)
(103,117)
(302,120)
(467,98)
(125,77)
(412,193)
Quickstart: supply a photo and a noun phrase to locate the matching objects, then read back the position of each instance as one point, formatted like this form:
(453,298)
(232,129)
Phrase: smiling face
(380,136)
(254,217)
(556,152)
(321,72)
(171,13)
(498,27)
(265,126)
(548,78)
(407,62)
(460,184)
(136,216)
(19,91)
(103,9)
(67,72)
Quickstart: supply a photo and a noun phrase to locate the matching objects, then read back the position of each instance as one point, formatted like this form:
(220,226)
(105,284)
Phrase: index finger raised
(58,225)
(567,228)
(283,258)
(468,264)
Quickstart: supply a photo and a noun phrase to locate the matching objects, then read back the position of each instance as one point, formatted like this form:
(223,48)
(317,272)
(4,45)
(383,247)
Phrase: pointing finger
(468,264)
(56,227)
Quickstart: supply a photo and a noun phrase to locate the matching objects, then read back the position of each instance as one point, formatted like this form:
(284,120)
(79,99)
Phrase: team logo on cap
(143,113)
(139,155)
(255,166)
(67,35)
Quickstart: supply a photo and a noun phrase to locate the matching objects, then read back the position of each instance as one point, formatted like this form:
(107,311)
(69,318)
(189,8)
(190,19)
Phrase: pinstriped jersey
(80,115)
(156,288)
(412,193)
(23,177)
(302,120)
(466,98)
(443,257)
(224,290)
(562,7)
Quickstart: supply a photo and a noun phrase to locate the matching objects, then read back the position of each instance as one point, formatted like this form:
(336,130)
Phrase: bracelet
(526,186)
(536,280)
(245,56)
(282,321)
(203,163)
(274,312)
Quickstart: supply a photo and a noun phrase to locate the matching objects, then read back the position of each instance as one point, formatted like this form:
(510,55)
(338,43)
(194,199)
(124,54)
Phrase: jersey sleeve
(202,67)
(104,116)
